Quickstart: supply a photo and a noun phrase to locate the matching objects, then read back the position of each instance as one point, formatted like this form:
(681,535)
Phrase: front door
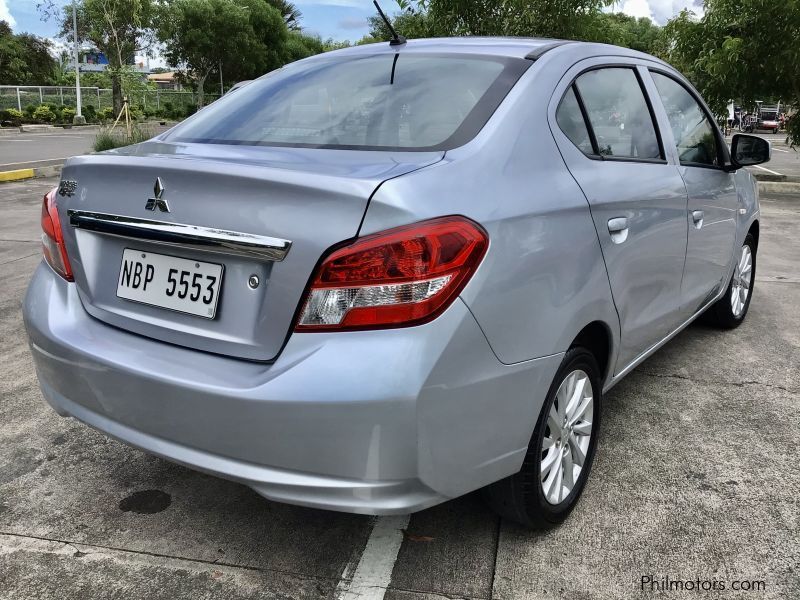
(638,200)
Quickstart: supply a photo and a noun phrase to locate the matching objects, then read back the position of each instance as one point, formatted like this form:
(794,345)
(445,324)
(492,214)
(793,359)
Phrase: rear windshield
(377,102)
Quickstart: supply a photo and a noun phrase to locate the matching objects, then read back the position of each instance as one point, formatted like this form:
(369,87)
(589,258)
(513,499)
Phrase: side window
(618,113)
(570,120)
(693,132)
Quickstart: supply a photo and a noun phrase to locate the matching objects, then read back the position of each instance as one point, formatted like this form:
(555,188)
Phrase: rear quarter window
(385,101)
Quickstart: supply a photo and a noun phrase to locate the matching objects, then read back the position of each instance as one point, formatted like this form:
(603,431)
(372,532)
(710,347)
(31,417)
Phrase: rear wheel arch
(754,231)
(596,338)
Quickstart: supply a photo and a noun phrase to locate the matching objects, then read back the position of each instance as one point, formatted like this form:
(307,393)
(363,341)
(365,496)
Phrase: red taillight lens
(404,276)
(55,253)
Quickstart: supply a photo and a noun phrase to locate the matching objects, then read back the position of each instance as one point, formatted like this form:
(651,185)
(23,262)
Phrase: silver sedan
(386,276)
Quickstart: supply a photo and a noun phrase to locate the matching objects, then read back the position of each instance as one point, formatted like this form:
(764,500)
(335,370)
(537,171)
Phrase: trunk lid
(313,198)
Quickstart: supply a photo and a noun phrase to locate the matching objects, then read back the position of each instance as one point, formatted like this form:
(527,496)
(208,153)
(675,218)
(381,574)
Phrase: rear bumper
(376,422)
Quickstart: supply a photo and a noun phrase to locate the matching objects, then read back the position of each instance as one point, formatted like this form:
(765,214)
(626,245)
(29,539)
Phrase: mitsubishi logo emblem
(158,198)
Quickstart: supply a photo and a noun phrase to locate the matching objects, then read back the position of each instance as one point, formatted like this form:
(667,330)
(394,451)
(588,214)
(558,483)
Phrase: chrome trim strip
(195,237)
(652,349)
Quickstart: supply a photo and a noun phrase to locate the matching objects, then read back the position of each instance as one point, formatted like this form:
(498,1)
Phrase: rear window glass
(386,101)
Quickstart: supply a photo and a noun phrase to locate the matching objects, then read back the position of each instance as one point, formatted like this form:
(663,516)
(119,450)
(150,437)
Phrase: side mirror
(748,150)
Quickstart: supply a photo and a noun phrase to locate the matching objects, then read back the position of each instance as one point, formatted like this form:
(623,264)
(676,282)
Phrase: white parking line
(30,162)
(779,150)
(767,170)
(67,135)
(374,571)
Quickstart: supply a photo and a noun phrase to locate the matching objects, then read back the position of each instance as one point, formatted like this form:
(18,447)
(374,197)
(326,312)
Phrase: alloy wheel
(742,279)
(566,438)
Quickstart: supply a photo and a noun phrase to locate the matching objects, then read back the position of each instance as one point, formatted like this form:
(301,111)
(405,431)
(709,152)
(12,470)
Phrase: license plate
(187,286)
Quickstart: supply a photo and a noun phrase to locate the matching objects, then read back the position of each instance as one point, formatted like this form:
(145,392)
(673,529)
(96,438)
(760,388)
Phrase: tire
(727,312)
(522,496)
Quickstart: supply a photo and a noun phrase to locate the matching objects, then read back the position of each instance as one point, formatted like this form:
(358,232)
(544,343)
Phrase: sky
(337,19)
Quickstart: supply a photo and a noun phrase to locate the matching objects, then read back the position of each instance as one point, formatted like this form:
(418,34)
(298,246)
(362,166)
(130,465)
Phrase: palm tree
(290,13)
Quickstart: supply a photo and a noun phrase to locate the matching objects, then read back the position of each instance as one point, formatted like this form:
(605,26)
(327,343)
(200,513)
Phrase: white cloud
(659,11)
(637,8)
(5,14)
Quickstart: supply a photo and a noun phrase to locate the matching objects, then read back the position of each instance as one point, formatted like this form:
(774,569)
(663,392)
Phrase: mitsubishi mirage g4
(383,277)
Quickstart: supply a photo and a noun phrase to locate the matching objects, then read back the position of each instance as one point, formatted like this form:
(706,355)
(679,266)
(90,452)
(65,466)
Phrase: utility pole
(78,118)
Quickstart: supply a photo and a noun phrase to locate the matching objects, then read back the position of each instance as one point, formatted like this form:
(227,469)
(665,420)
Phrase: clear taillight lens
(55,253)
(399,277)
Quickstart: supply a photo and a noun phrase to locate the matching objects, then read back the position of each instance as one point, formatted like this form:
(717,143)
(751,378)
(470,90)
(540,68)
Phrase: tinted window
(618,113)
(693,132)
(408,101)
(570,120)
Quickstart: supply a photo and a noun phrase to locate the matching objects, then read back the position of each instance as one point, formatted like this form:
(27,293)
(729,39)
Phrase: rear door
(713,201)
(609,137)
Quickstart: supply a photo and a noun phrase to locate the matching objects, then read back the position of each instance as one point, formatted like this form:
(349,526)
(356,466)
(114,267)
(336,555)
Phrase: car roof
(513,47)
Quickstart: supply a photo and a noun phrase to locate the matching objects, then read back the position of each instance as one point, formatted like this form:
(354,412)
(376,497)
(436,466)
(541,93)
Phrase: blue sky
(338,19)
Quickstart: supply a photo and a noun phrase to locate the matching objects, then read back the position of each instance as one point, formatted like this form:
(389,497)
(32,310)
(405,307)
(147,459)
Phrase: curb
(779,187)
(17,174)
(776,178)
(22,174)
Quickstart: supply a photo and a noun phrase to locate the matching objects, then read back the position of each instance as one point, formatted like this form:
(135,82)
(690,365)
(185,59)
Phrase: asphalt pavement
(20,150)
(24,150)
(695,479)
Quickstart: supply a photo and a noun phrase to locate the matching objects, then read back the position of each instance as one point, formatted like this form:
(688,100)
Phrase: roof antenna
(397,40)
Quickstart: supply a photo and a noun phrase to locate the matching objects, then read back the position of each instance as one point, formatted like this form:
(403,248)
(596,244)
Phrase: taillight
(396,278)
(55,253)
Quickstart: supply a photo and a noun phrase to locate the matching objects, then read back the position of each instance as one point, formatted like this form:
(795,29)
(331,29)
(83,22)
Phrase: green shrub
(107,139)
(44,113)
(89,112)
(67,113)
(12,116)
(106,113)
(136,112)
(29,110)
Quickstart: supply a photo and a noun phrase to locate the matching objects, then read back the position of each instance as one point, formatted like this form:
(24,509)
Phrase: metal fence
(20,96)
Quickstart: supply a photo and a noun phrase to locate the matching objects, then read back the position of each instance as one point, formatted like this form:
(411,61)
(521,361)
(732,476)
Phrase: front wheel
(561,450)
(730,310)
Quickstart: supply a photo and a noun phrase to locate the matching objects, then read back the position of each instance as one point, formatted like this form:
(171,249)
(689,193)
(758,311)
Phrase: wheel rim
(742,278)
(565,444)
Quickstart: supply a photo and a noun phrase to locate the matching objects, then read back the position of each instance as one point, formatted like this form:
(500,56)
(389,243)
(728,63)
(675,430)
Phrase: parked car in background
(389,275)
(769,119)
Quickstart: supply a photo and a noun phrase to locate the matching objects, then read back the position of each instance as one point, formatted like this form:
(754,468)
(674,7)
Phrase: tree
(290,13)
(245,37)
(743,49)
(565,19)
(624,30)
(25,59)
(116,27)
(12,63)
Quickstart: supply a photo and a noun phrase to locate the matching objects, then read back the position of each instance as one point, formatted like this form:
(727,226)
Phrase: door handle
(618,228)
(697,217)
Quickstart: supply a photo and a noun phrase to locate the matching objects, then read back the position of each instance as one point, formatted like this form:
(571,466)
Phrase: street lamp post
(78,119)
